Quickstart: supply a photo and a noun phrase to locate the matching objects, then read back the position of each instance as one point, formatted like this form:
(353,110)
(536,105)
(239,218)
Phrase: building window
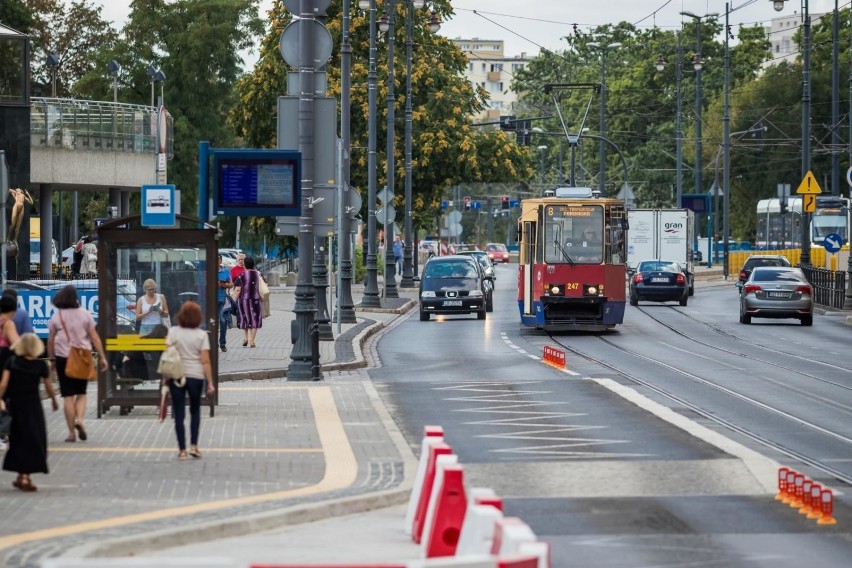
(470,67)
(501,86)
(497,67)
(483,67)
(517,66)
(483,84)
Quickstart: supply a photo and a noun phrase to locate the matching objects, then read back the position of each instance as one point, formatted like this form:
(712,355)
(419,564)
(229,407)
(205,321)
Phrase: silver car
(777,292)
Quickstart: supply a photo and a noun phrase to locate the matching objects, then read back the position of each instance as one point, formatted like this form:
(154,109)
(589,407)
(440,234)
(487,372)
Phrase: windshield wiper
(565,254)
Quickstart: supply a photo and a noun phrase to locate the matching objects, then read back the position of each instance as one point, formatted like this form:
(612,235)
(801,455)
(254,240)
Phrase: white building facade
(490,69)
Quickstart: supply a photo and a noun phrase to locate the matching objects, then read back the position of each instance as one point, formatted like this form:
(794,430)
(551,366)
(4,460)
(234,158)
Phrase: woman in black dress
(27,453)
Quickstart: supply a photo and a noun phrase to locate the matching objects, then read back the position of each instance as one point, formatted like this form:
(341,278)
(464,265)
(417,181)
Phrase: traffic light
(467,203)
(783,206)
(504,202)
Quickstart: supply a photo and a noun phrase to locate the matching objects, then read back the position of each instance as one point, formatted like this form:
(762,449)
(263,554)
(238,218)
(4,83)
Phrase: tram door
(528,255)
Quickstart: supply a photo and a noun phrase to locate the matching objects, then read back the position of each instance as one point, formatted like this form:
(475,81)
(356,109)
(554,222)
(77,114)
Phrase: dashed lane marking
(341,469)
(504,336)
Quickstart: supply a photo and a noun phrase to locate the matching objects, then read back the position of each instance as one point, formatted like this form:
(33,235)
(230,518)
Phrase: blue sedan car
(659,281)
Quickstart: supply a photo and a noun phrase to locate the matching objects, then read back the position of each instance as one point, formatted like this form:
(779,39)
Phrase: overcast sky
(528,25)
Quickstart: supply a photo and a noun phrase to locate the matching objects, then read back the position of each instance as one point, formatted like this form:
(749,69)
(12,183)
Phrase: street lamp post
(541,151)
(345,304)
(408,251)
(388,25)
(53,63)
(371,286)
(697,65)
(602,147)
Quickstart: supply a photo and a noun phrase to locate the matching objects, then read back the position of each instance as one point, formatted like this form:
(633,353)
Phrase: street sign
(832,242)
(849,176)
(380,214)
(158,205)
(475,205)
(454,216)
(809,185)
(809,202)
(384,195)
(445,205)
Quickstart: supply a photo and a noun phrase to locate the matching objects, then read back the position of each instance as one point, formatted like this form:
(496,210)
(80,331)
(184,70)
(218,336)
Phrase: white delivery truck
(662,234)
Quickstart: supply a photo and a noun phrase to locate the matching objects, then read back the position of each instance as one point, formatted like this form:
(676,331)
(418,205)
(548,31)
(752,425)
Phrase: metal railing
(75,124)
(829,285)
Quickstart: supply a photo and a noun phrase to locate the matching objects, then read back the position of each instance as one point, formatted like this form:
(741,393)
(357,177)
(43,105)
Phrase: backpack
(171,366)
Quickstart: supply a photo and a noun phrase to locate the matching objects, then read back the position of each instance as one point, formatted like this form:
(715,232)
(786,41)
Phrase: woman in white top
(151,309)
(193,344)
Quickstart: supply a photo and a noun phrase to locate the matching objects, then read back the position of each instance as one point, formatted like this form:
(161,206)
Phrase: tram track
(713,417)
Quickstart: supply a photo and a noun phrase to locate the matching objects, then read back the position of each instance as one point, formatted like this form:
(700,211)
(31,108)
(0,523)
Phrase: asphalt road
(659,445)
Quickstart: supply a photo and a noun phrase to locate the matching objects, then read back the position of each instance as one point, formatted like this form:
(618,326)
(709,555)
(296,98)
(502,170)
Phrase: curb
(241,526)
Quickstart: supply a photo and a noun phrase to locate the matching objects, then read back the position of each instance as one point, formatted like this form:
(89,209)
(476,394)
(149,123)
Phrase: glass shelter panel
(146,284)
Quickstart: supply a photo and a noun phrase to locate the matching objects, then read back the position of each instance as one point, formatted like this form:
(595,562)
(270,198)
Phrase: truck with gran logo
(662,234)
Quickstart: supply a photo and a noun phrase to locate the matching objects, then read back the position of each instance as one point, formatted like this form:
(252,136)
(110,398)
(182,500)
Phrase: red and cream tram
(572,274)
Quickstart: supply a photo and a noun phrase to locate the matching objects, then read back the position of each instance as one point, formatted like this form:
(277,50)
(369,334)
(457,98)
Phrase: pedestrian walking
(398,247)
(70,326)
(247,294)
(8,332)
(23,322)
(235,272)
(224,302)
(152,309)
(193,344)
(19,394)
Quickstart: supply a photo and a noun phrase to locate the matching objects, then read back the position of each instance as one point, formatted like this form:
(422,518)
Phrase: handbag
(262,286)
(171,366)
(5,422)
(81,363)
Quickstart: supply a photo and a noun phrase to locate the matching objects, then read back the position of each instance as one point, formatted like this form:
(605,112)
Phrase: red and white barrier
(435,450)
(483,511)
(539,549)
(509,533)
(553,357)
(478,561)
(449,514)
(431,435)
(441,462)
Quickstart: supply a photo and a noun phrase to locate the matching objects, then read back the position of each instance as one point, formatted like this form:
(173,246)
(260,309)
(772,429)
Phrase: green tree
(447,149)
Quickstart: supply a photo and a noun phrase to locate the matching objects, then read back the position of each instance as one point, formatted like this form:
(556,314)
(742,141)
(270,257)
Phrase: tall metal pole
(345,303)
(407,255)
(300,368)
(806,127)
(698,114)
(602,145)
(679,129)
(371,288)
(390,262)
(835,104)
(726,147)
(847,301)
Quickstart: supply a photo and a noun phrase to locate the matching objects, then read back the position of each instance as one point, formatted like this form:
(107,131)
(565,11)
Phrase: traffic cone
(431,435)
(435,450)
(449,514)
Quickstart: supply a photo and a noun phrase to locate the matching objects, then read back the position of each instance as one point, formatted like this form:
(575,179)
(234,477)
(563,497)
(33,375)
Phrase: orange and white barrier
(441,462)
(553,357)
(435,450)
(431,435)
(478,561)
(449,514)
(539,549)
(483,512)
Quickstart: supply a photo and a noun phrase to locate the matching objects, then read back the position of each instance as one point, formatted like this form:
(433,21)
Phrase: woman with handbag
(71,335)
(193,345)
(19,386)
(247,293)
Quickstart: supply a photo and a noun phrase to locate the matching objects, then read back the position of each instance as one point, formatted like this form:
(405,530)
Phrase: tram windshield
(573,234)
(827,221)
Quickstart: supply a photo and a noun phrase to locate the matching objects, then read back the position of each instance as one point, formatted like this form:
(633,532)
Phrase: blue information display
(257,182)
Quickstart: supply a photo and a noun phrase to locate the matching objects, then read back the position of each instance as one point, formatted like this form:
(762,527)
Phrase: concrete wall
(78,169)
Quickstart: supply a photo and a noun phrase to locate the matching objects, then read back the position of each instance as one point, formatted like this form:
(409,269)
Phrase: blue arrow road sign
(475,205)
(832,242)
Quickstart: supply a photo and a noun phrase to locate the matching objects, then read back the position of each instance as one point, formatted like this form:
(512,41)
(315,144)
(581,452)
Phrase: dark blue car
(659,281)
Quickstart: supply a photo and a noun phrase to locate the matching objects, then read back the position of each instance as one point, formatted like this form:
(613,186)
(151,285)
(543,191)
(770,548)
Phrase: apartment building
(489,68)
(780,32)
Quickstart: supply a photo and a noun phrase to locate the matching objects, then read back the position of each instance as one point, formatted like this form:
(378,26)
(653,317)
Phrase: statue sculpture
(21,197)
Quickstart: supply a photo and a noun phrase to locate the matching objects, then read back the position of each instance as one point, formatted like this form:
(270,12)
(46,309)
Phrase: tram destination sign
(257,182)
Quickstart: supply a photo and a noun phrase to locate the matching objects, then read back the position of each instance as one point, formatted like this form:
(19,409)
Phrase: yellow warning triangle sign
(809,185)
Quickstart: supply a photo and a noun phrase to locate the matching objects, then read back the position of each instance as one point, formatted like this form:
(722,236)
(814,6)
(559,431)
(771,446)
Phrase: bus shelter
(182,263)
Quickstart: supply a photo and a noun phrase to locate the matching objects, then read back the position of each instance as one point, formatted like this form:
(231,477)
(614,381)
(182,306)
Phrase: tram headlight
(593,289)
(555,289)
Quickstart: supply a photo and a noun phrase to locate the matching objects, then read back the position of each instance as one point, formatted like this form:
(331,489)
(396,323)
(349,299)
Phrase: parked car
(756,260)
(21,285)
(659,281)
(488,273)
(452,285)
(497,252)
(777,292)
(429,247)
(35,253)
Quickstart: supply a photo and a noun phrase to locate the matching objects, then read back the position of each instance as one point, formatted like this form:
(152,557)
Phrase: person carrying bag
(71,334)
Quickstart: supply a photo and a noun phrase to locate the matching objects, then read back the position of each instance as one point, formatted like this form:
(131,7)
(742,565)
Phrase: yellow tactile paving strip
(340,472)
